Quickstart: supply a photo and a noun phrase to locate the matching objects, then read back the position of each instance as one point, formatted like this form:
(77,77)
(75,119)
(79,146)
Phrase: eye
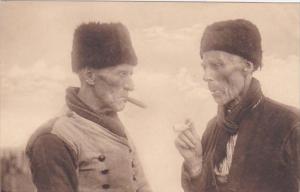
(212,65)
(216,65)
(123,73)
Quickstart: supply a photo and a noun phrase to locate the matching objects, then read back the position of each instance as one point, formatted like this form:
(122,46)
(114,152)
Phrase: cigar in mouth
(136,102)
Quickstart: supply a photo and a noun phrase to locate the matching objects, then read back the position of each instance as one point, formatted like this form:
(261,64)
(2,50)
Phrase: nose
(129,85)
(208,75)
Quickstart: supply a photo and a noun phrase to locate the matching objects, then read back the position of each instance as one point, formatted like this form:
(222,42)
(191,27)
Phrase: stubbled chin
(219,100)
(120,106)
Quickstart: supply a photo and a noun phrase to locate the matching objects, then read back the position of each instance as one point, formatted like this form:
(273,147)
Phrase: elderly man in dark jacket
(252,144)
(86,148)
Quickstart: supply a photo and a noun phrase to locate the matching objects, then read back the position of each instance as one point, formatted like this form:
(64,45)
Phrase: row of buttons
(106,171)
(133,165)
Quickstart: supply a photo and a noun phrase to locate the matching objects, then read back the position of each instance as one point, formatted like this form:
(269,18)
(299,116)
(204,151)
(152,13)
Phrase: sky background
(35,46)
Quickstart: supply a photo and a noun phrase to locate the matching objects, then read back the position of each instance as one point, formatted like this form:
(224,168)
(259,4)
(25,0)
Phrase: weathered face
(224,75)
(112,86)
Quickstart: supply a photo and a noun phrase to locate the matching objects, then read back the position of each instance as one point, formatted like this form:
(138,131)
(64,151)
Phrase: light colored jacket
(105,161)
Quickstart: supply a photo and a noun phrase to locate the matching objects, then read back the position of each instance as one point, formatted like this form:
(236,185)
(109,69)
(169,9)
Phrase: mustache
(136,102)
(129,99)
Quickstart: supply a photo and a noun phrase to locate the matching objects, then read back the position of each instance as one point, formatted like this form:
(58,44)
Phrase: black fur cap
(239,37)
(100,45)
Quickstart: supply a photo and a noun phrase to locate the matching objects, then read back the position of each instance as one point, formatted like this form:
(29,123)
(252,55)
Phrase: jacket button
(101,158)
(134,178)
(132,164)
(106,186)
(130,150)
(105,171)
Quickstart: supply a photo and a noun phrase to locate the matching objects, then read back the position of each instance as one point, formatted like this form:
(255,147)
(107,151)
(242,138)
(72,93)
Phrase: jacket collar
(108,120)
(231,114)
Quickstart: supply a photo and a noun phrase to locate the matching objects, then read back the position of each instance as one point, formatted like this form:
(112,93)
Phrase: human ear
(89,76)
(249,67)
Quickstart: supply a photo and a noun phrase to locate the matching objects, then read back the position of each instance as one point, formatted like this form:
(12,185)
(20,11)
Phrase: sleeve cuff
(193,170)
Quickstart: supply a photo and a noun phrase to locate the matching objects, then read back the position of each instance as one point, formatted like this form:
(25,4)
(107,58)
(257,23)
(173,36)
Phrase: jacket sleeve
(188,183)
(297,163)
(292,151)
(195,183)
(53,165)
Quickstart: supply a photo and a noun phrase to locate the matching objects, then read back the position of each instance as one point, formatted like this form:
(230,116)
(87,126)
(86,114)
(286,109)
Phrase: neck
(246,86)
(237,100)
(87,95)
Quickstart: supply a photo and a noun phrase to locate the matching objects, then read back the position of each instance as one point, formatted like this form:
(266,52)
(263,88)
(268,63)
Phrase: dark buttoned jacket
(266,156)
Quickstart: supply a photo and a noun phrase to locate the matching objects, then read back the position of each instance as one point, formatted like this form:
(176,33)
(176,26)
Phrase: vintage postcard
(117,96)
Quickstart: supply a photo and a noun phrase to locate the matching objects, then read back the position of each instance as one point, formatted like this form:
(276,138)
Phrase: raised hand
(189,145)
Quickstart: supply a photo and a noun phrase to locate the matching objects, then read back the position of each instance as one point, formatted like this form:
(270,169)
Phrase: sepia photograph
(149,96)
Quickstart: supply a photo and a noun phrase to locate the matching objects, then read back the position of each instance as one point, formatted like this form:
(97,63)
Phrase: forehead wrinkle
(209,59)
(235,58)
(227,58)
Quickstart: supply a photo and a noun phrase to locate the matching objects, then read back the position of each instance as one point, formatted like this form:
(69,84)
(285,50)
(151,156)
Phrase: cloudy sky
(35,69)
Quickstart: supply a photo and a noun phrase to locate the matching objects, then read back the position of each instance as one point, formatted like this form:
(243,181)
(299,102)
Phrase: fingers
(187,137)
(180,144)
(194,131)
(192,128)
(189,123)
(186,141)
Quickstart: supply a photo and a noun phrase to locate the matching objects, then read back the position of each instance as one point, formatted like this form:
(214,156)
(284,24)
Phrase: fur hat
(100,45)
(239,37)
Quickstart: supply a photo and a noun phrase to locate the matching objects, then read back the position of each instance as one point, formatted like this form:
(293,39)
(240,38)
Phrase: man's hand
(189,146)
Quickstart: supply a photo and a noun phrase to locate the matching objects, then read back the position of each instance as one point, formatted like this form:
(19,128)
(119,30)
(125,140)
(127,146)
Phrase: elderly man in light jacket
(87,149)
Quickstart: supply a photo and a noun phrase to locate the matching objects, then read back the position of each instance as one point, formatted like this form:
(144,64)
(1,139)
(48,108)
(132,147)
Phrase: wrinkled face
(224,75)
(112,86)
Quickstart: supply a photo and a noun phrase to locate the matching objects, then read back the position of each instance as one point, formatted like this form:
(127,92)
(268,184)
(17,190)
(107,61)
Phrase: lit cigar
(136,102)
